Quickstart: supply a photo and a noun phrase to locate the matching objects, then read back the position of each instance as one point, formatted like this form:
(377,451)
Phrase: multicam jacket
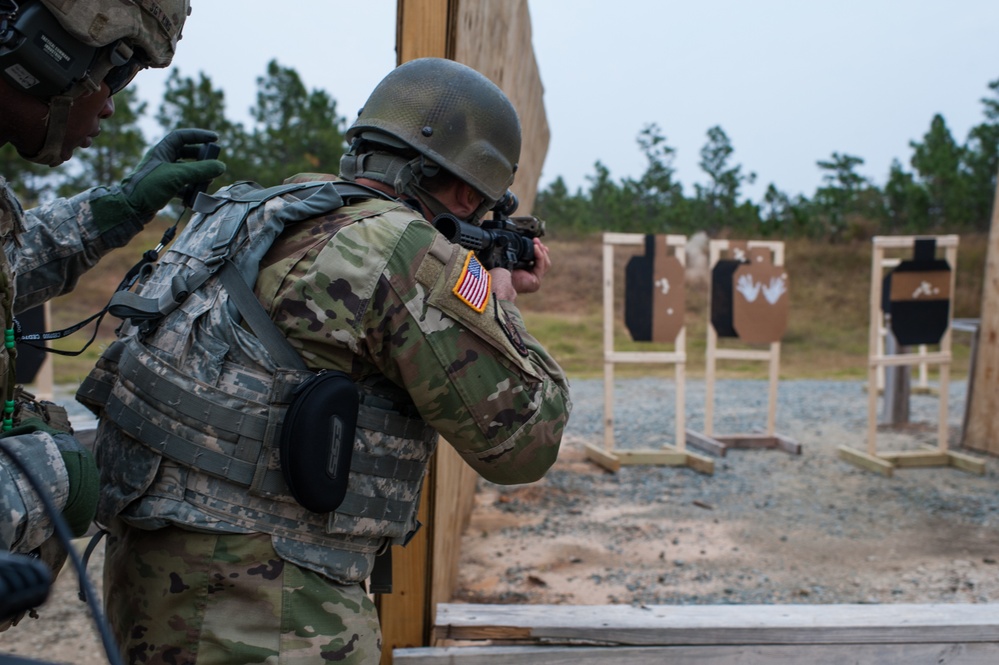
(46,250)
(370,289)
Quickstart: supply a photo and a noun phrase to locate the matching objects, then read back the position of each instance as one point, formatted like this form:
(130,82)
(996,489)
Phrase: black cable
(150,256)
(65,539)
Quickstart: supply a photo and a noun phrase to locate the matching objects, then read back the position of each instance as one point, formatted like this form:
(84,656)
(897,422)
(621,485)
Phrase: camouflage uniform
(370,289)
(46,250)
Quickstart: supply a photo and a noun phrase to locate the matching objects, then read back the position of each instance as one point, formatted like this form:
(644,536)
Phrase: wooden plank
(788,445)
(454,499)
(706,443)
(494,37)
(866,461)
(624,238)
(404,615)
(905,242)
(645,357)
(422,28)
(982,427)
(915,458)
(950,653)
(667,456)
(716,625)
(602,457)
(966,462)
(718,444)
(748,441)
(742,354)
(701,464)
(911,359)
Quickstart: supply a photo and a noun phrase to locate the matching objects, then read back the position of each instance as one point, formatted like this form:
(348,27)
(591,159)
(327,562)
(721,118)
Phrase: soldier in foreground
(244,530)
(60,64)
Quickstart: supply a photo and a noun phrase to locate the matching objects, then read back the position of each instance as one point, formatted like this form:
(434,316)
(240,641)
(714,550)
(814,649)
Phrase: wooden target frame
(608,456)
(886,462)
(719,444)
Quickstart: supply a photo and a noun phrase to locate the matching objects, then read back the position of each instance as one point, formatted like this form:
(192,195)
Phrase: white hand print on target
(772,292)
(748,288)
(777,288)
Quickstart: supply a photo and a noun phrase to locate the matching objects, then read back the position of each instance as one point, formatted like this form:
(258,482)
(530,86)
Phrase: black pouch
(317,439)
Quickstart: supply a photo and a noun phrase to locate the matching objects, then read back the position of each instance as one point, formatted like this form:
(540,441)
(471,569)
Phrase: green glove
(84,484)
(158,178)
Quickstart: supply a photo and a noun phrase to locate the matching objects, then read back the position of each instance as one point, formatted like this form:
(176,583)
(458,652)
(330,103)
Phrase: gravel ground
(766,527)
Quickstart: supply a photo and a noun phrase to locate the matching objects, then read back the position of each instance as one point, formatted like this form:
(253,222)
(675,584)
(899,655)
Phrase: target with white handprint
(748,301)
(760,302)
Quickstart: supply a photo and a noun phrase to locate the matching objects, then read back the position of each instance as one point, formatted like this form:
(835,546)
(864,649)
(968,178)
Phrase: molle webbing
(248,427)
(310,199)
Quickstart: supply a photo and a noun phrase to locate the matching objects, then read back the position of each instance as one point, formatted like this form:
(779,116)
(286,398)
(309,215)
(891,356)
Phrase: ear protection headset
(39,57)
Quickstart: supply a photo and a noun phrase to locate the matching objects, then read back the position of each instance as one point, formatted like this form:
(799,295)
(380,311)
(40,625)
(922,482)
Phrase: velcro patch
(474,284)
(510,330)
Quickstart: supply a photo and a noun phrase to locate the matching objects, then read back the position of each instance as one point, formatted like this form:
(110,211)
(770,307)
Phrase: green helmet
(450,114)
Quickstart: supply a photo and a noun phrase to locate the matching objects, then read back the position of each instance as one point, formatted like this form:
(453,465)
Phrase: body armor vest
(191,402)
(10,221)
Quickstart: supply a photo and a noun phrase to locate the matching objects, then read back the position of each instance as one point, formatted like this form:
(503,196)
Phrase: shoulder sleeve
(389,294)
(477,376)
(60,241)
(24,525)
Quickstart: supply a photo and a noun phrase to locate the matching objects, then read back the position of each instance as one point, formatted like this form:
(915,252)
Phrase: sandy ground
(790,540)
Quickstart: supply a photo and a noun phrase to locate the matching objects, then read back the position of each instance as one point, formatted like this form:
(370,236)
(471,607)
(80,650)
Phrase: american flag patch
(473,284)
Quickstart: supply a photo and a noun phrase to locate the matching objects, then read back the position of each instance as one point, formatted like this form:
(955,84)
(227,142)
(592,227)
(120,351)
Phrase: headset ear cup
(39,57)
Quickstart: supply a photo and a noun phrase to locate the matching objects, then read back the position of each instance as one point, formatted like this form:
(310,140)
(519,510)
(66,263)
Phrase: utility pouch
(317,439)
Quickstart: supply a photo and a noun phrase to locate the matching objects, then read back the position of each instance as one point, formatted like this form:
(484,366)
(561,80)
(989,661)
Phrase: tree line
(294,129)
(946,186)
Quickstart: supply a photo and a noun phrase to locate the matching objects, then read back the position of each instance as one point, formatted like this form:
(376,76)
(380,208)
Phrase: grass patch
(826,336)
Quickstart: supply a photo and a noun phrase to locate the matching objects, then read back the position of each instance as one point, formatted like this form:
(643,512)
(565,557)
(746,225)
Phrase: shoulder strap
(312,199)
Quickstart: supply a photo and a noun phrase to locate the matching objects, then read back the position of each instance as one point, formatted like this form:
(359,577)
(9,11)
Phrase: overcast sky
(789,81)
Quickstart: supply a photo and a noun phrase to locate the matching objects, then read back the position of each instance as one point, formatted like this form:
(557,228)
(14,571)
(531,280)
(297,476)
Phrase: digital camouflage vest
(191,402)
(10,220)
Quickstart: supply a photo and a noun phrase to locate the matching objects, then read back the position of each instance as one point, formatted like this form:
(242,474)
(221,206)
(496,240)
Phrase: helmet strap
(55,132)
(402,174)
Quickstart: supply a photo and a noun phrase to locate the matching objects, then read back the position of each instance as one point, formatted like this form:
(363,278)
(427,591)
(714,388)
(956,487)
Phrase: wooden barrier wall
(494,38)
(982,426)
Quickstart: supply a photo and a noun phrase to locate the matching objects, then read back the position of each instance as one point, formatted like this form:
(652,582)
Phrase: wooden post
(494,38)
(898,382)
(982,430)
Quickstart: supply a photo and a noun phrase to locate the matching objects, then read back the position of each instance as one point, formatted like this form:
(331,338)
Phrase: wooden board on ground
(613,460)
(717,634)
(719,444)
(813,654)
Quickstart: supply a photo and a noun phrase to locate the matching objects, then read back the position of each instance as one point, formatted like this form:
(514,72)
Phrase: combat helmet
(59,50)
(452,116)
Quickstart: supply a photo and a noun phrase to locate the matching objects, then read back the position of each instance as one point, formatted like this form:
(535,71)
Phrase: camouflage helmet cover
(152,25)
(453,115)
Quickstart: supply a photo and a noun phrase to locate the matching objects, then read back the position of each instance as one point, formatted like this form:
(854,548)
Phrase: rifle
(500,242)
